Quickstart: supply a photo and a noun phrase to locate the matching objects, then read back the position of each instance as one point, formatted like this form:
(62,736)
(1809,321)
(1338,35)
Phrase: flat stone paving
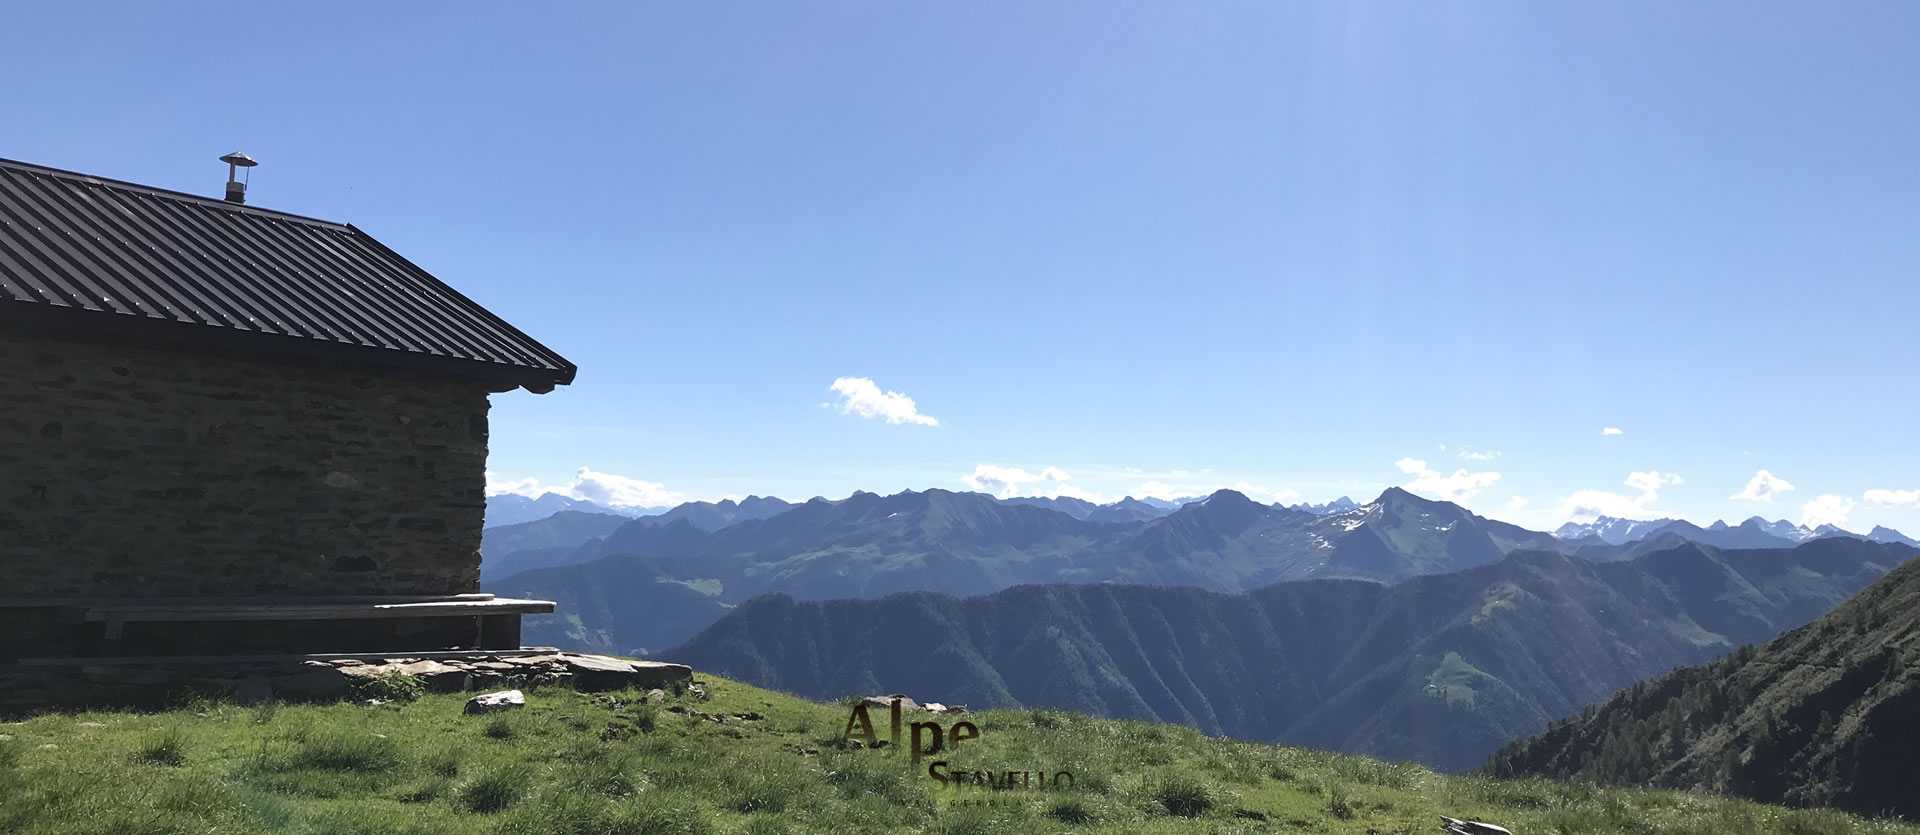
(144,683)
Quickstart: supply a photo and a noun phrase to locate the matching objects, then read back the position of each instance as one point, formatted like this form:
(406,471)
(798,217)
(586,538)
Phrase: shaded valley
(1441,669)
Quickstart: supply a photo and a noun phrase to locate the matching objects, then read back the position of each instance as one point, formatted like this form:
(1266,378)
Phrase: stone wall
(151,473)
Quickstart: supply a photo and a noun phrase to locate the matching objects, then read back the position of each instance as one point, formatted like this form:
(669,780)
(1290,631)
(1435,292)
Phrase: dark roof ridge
(215,202)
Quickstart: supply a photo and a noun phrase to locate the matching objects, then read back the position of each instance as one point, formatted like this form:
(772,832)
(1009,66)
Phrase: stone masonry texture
(139,472)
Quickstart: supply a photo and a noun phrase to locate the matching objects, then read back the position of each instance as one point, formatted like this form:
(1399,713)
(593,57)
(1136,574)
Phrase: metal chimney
(236,189)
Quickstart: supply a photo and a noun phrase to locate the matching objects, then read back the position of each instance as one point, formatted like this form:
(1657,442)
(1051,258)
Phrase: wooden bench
(496,619)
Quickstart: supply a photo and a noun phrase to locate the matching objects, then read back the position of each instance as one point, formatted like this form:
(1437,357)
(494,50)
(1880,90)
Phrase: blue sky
(1311,248)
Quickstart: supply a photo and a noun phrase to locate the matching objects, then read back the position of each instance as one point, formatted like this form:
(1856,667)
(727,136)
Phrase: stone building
(225,428)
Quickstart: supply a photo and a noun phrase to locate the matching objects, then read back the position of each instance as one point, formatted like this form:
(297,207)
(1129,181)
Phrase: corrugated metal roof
(102,255)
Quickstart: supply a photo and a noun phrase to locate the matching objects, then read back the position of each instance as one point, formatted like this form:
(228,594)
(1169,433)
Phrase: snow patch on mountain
(1612,530)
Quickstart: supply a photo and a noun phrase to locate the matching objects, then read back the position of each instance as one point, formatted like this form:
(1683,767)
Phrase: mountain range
(969,543)
(513,509)
(510,549)
(1402,628)
(1335,506)
(1126,510)
(1882,533)
(556,540)
(712,516)
(1440,668)
(1612,530)
(561,521)
(1824,715)
(1755,532)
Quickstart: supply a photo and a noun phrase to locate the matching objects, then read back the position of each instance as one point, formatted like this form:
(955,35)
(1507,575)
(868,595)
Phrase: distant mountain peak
(1168,504)
(1399,499)
(1882,533)
(1780,527)
(1338,505)
(1077,508)
(1398,494)
(1613,530)
(513,508)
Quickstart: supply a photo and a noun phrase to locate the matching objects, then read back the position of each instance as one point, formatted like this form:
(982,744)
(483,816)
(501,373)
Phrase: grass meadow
(574,763)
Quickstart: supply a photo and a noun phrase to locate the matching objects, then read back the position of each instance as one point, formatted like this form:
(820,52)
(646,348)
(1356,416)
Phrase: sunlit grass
(579,763)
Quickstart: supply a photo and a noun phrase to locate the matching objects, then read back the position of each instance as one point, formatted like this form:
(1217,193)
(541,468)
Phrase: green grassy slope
(581,763)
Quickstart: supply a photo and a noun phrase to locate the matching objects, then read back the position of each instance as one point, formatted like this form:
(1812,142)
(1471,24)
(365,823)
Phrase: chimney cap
(240,159)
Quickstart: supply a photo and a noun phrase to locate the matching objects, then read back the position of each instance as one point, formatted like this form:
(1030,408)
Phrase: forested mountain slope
(1824,715)
(1441,669)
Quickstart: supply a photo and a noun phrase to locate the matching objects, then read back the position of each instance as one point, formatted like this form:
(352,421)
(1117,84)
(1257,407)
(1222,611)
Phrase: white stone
(491,702)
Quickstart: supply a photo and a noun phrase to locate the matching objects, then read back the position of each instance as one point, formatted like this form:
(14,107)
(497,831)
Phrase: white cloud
(1458,487)
(620,491)
(1252,491)
(1158,490)
(1586,505)
(860,396)
(1892,498)
(1828,509)
(1610,430)
(1513,511)
(1163,490)
(1487,455)
(593,486)
(529,487)
(1762,488)
(1651,482)
(1007,482)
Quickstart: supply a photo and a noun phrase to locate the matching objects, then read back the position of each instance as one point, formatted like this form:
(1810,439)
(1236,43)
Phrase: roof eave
(124,328)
